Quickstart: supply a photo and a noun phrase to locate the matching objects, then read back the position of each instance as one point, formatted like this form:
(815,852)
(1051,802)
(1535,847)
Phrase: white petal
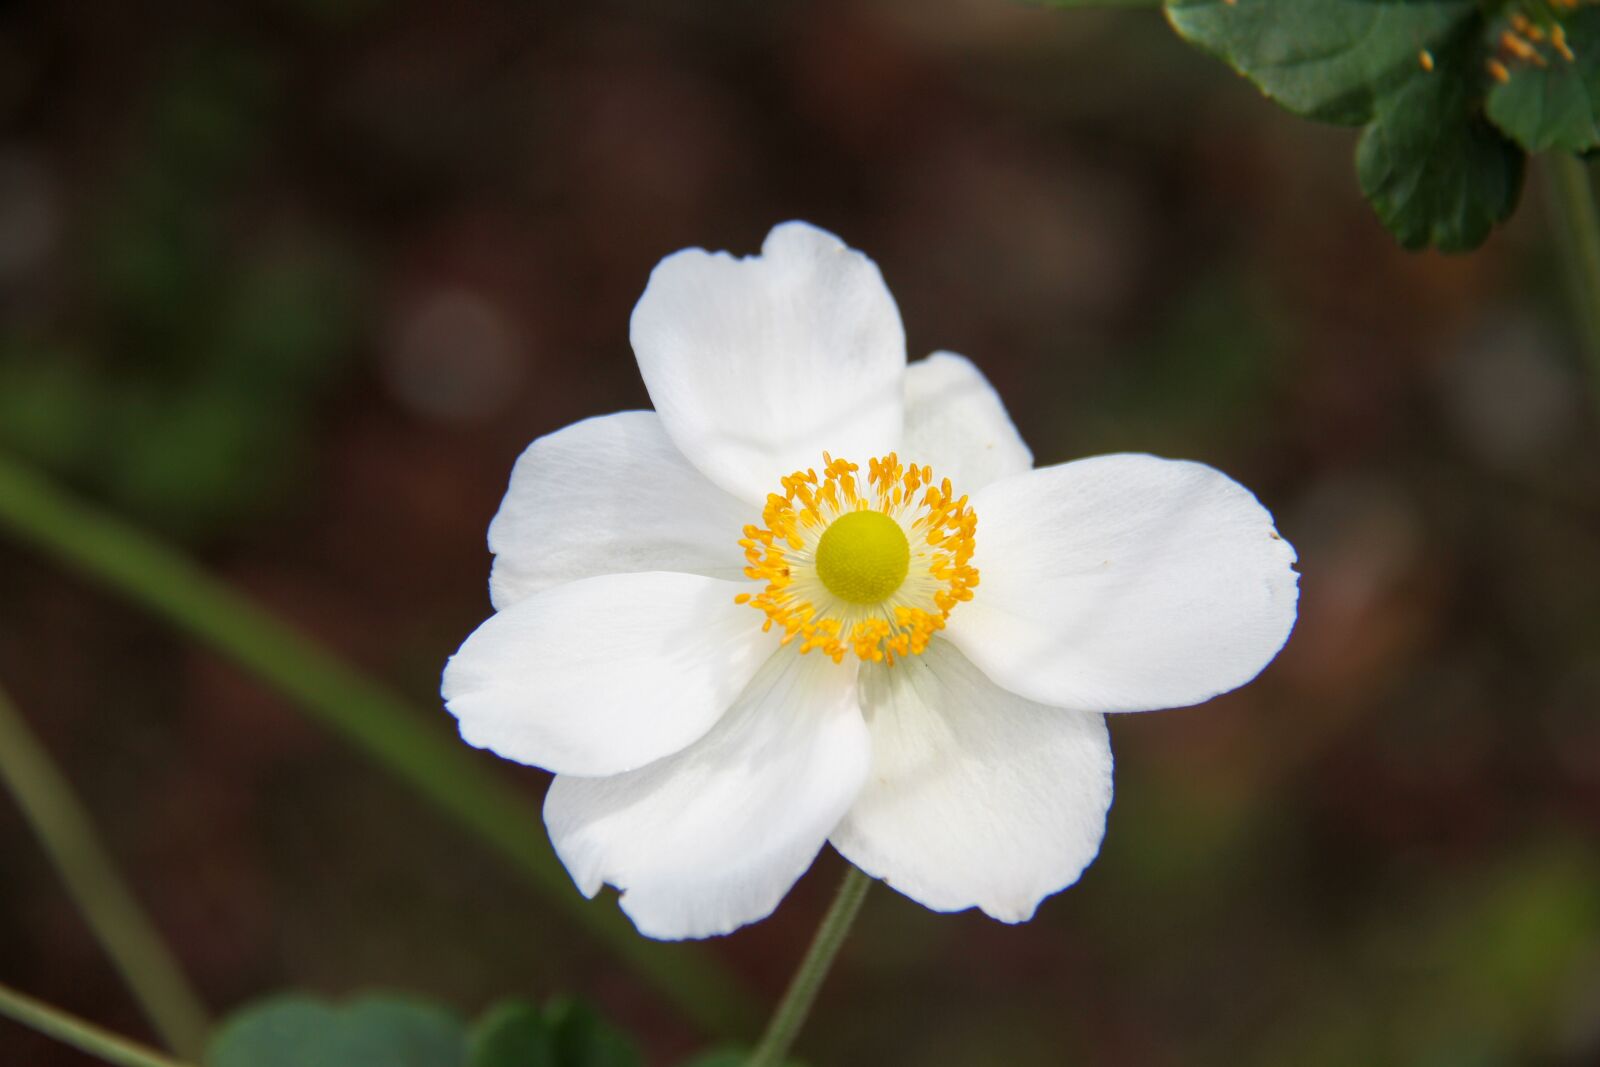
(956,424)
(610,495)
(1125,583)
(757,365)
(712,838)
(976,797)
(603,675)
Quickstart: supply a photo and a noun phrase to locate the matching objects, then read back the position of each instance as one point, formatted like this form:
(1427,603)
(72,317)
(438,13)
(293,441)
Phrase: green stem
(791,1012)
(368,716)
(1572,195)
(93,883)
(81,1035)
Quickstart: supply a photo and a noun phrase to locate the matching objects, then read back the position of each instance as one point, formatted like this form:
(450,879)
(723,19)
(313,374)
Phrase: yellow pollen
(1524,40)
(872,569)
(1558,38)
(863,556)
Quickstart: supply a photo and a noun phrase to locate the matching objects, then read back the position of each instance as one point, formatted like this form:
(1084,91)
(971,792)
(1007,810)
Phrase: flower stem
(791,1013)
(93,883)
(400,739)
(1572,195)
(83,1036)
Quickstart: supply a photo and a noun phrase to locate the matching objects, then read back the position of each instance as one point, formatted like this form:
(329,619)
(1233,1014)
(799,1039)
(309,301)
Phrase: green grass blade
(366,714)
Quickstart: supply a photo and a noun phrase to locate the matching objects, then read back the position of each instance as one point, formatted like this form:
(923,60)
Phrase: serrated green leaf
(380,1031)
(296,1031)
(512,1034)
(1552,102)
(1411,71)
(583,1039)
(1436,173)
(1325,59)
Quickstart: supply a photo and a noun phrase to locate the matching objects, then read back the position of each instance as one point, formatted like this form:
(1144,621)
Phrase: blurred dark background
(292,282)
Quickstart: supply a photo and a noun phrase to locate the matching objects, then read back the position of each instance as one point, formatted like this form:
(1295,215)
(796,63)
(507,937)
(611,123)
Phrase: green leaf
(1552,102)
(295,1031)
(1411,71)
(1435,172)
(583,1039)
(513,1034)
(377,1031)
(1325,59)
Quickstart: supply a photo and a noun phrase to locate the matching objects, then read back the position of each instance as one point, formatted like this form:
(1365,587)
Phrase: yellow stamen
(1514,45)
(1527,27)
(874,570)
(1558,39)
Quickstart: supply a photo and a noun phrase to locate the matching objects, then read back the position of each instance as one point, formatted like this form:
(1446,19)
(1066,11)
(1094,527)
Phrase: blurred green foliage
(1209,369)
(375,1031)
(390,1031)
(184,390)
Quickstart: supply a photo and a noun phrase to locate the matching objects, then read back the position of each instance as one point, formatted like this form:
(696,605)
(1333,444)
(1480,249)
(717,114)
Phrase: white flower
(820,595)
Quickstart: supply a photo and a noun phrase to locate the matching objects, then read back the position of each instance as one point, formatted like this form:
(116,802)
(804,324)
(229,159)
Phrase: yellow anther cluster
(1526,39)
(939,528)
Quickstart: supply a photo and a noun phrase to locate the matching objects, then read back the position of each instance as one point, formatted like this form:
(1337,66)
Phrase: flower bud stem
(791,1012)
(1571,197)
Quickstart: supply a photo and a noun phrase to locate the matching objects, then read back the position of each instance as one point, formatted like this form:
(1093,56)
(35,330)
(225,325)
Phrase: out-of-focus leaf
(1411,71)
(1324,59)
(211,352)
(191,458)
(1485,972)
(1551,101)
(565,1033)
(208,114)
(583,1039)
(1205,373)
(284,326)
(49,404)
(387,1031)
(296,1031)
(1433,170)
(513,1034)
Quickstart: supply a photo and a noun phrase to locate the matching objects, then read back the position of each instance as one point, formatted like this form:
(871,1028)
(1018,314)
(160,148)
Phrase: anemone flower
(820,594)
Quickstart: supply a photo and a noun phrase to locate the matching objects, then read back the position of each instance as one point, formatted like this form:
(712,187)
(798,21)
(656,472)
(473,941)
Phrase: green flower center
(863,557)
